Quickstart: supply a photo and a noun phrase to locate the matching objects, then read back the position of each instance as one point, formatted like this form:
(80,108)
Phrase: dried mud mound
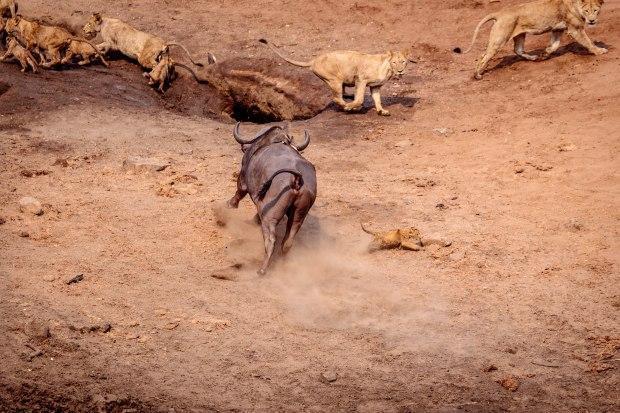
(267,90)
(257,90)
(249,89)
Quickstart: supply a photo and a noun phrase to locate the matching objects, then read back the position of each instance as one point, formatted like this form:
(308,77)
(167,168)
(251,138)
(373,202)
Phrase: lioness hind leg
(500,34)
(375,91)
(336,86)
(360,89)
(520,48)
(554,44)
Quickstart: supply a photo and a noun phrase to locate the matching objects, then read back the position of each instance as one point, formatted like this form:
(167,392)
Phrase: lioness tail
(291,61)
(473,40)
(186,51)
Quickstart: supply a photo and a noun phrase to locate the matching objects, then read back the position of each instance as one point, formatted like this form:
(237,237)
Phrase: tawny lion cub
(25,58)
(346,68)
(538,17)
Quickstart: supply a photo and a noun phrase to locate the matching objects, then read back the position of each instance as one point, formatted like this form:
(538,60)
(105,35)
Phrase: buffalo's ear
(245,147)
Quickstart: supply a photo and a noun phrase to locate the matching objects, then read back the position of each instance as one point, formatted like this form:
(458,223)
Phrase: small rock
(511,350)
(490,368)
(132,336)
(403,143)
(574,225)
(49,278)
(106,327)
(441,206)
(328,377)
(30,205)
(141,164)
(37,330)
(2,221)
(519,170)
(24,234)
(64,162)
(509,383)
(442,131)
(75,279)
(29,173)
(566,148)
(171,325)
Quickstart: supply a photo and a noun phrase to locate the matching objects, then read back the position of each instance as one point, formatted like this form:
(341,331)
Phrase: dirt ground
(519,171)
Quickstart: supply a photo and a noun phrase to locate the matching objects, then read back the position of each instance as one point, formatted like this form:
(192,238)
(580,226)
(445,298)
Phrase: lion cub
(538,17)
(25,58)
(347,68)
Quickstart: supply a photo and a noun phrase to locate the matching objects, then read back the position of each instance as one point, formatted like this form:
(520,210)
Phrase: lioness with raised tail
(347,68)
(538,17)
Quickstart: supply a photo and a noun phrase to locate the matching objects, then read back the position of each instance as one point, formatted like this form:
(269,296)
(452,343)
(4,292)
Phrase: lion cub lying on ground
(538,17)
(150,51)
(347,68)
(25,58)
(404,238)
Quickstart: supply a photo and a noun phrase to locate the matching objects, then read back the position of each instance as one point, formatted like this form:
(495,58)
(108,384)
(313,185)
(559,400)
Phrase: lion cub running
(538,17)
(346,68)
(25,58)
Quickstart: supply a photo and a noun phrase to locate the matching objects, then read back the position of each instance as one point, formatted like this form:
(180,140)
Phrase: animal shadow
(574,48)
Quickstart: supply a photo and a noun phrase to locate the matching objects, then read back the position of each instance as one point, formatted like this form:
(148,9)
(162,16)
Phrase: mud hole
(245,89)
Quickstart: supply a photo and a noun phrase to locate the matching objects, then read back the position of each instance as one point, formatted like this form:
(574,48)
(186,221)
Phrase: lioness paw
(600,51)
(383,112)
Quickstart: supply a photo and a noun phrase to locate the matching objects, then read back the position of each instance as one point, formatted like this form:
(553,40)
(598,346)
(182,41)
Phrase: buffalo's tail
(299,181)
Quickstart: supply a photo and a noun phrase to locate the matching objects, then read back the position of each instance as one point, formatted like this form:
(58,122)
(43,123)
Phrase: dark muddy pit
(256,90)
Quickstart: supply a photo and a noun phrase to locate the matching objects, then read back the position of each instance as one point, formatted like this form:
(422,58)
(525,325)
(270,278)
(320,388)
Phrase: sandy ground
(518,171)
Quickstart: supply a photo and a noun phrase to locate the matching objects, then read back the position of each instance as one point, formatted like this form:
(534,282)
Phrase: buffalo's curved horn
(244,141)
(305,143)
(238,137)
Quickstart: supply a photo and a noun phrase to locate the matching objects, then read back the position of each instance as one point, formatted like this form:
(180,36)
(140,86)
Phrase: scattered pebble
(29,173)
(49,278)
(75,279)
(509,383)
(328,376)
(106,328)
(142,164)
(567,148)
(490,368)
(519,170)
(442,131)
(30,205)
(24,234)
(37,330)
(2,221)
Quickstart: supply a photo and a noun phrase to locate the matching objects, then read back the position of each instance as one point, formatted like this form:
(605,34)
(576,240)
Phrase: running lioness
(538,17)
(347,68)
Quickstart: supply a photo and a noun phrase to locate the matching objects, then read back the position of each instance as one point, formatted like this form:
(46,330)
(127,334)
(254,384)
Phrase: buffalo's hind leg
(295,220)
(269,236)
(241,192)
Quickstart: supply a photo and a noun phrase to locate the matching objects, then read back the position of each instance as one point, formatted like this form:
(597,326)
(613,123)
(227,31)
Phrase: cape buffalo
(279,180)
